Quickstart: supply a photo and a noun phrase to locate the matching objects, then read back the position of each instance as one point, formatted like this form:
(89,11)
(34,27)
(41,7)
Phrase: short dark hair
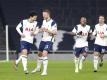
(32,13)
(47,10)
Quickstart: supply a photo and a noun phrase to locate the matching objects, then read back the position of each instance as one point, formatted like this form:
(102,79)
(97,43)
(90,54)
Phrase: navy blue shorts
(45,46)
(78,51)
(99,48)
(25,45)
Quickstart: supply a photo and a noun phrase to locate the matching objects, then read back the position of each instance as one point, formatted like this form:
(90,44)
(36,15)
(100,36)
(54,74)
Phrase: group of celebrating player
(29,30)
(49,29)
(81,33)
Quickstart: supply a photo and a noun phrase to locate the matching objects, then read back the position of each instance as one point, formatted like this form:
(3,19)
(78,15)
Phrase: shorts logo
(103,50)
(46,47)
(86,49)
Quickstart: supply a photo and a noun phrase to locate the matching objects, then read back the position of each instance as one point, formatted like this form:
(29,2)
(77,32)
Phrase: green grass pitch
(57,70)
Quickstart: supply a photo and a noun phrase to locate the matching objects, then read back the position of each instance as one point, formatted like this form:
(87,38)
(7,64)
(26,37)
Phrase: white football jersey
(50,25)
(100,31)
(81,40)
(27,28)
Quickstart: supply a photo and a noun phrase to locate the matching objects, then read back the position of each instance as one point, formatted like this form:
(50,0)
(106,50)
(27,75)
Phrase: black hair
(32,13)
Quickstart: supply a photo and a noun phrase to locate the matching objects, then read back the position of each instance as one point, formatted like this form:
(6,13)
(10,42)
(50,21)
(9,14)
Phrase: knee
(24,52)
(85,54)
(40,54)
(96,53)
(45,53)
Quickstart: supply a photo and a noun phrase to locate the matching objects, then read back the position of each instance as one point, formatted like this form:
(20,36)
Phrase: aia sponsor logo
(29,29)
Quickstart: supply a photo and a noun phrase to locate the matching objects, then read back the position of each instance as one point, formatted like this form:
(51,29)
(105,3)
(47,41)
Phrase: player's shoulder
(78,25)
(96,25)
(35,22)
(53,22)
(105,25)
(88,26)
(24,20)
(44,21)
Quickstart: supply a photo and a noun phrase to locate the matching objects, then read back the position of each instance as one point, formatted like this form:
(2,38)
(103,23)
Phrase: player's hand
(45,30)
(79,33)
(22,35)
(42,30)
(33,33)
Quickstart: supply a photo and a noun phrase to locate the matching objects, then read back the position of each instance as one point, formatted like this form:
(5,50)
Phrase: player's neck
(83,25)
(48,19)
(101,24)
(30,20)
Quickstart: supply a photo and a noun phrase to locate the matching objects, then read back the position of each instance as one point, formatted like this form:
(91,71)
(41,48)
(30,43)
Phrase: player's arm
(93,34)
(42,27)
(74,32)
(53,30)
(19,30)
(105,32)
(90,32)
(36,31)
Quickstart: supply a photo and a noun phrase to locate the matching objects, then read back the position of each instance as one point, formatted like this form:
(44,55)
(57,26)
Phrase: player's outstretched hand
(71,33)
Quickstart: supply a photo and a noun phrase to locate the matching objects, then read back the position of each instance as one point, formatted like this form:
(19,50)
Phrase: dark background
(66,13)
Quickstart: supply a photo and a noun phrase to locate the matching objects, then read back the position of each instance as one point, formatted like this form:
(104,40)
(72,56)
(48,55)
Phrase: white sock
(81,62)
(19,59)
(24,62)
(76,63)
(39,62)
(95,62)
(45,64)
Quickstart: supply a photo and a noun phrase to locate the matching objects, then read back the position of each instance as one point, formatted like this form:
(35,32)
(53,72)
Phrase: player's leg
(25,50)
(16,62)
(45,62)
(47,48)
(39,63)
(101,59)
(96,57)
(83,57)
(24,60)
(40,58)
(18,56)
(101,56)
(19,59)
(76,59)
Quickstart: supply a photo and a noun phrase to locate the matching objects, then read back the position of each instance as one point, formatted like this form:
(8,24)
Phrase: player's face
(83,21)
(34,18)
(101,19)
(45,15)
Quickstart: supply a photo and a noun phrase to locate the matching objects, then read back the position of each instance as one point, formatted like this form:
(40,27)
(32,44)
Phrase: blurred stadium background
(66,13)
